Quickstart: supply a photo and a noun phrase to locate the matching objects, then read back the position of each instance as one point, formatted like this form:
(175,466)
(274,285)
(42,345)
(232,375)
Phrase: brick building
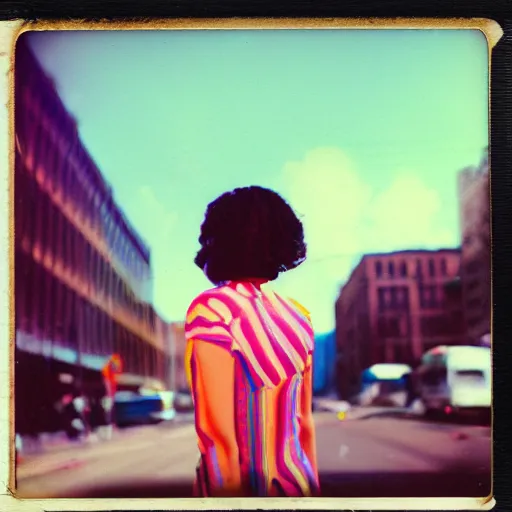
(474,201)
(394,307)
(82,274)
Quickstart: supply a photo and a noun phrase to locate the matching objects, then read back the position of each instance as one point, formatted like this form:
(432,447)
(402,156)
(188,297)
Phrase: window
(378,269)
(393,298)
(41,145)
(89,322)
(40,287)
(431,268)
(391,269)
(46,241)
(419,268)
(381,293)
(470,376)
(402,297)
(58,307)
(48,299)
(403,269)
(429,297)
(70,328)
(434,297)
(443,267)
(51,159)
(65,236)
(39,226)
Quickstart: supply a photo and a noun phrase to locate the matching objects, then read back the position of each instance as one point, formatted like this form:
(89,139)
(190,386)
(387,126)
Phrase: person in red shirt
(110,372)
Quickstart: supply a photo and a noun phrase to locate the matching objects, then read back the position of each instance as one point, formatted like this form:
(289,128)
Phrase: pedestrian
(409,389)
(249,353)
(73,423)
(110,371)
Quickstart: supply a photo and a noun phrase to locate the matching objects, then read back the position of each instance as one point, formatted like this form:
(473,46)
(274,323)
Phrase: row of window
(430,326)
(42,224)
(431,296)
(392,269)
(396,298)
(49,310)
(393,298)
(63,166)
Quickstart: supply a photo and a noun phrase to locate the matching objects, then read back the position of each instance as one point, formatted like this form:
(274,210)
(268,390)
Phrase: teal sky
(363,131)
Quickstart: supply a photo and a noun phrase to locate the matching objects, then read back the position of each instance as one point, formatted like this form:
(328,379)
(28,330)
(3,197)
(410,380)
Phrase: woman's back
(257,439)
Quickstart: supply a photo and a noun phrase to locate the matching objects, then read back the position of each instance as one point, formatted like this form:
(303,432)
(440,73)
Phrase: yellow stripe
(200,331)
(188,361)
(202,311)
(301,308)
(296,471)
(221,309)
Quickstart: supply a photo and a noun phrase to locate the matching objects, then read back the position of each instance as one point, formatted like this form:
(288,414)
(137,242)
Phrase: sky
(362,131)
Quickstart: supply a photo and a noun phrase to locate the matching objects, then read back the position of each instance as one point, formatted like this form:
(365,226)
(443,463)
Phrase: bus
(456,379)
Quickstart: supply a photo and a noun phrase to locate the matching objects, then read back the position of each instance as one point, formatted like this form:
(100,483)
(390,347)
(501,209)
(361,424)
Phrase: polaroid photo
(249,265)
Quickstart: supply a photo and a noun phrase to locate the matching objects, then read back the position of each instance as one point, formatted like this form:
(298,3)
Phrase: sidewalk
(356,412)
(57,455)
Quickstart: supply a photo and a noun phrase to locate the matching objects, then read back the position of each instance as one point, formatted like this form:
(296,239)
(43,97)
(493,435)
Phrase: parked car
(140,408)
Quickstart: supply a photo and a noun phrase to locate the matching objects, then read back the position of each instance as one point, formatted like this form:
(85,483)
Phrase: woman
(249,353)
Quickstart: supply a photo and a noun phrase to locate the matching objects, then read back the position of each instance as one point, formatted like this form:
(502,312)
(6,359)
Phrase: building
(178,345)
(393,308)
(82,274)
(474,201)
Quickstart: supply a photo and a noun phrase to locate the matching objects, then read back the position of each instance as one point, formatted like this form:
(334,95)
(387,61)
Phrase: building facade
(474,201)
(82,274)
(393,308)
(178,345)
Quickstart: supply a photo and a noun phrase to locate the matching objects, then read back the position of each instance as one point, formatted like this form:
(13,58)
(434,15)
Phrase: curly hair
(250,232)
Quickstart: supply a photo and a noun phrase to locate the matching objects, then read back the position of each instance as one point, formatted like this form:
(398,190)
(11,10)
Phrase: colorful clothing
(249,357)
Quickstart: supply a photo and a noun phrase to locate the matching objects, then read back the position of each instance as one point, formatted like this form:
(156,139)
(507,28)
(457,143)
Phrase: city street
(374,456)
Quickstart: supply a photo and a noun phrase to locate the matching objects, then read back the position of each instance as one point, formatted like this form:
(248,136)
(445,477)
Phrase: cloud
(345,218)
(326,189)
(406,215)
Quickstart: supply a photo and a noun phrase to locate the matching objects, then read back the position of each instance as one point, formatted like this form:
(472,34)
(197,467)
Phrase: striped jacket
(248,360)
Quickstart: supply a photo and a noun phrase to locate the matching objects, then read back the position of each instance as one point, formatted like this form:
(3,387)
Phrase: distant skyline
(362,131)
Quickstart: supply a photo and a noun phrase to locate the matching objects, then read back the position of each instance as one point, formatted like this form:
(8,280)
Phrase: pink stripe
(265,360)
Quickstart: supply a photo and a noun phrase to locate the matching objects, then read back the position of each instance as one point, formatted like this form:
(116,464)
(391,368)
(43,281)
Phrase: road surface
(377,456)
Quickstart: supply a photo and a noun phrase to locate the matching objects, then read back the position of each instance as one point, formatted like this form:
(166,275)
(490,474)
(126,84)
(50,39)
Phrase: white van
(456,378)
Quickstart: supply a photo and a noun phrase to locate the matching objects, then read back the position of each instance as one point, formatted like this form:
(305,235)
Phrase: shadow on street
(349,485)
